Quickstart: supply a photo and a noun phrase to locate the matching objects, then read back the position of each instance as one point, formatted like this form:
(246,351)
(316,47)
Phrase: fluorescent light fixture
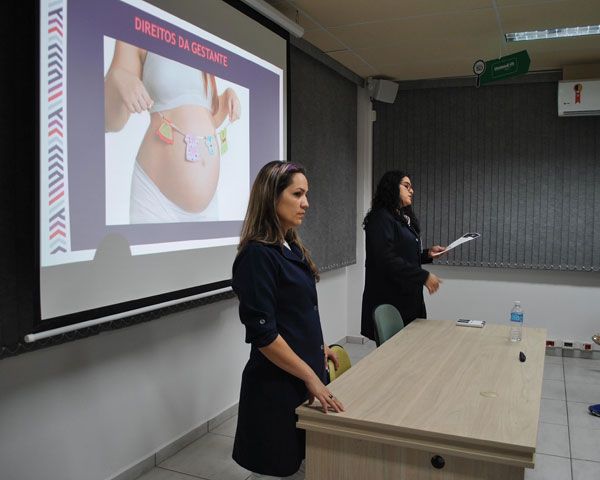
(275,15)
(553,33)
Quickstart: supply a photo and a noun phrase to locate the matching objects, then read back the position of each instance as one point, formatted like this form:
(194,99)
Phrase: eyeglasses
(408,186)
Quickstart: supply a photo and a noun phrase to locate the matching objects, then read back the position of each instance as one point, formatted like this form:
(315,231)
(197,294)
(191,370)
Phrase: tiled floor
(568,436)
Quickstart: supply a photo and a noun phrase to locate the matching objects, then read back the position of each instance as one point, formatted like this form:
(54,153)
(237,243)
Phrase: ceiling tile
(542,16)
(574,44)
(416,30)
(323,40)
(545,61)
(502,3)
(364,72)
(483,48)
(424,70)
(354,63)
(290,12)
(348,59)
(579,57)
(342,12)
(412,39)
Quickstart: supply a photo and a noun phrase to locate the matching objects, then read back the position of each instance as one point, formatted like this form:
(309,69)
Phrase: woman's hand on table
(317,390)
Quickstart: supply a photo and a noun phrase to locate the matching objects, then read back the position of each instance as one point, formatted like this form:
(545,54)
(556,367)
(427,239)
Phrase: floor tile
(553,372)
(227,428)
(553,411)
(583,373)
(358,351)
(583,470)
(553,440)
(583,392)
(548,467)
(579,416)
(581,362)
(158,473)
(181,442)
(554,359)
(208,457)
(222,417)
(354,359)
(585,443)
(553,389)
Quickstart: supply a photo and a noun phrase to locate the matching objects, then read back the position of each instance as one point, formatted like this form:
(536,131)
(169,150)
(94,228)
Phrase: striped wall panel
(499,161)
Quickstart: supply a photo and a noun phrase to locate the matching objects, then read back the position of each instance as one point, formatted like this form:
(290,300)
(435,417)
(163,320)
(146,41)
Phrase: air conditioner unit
(578,97)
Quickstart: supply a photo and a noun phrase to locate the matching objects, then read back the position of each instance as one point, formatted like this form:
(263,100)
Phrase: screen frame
(41,324)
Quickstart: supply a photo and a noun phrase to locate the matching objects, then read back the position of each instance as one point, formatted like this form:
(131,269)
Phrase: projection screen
(153,126)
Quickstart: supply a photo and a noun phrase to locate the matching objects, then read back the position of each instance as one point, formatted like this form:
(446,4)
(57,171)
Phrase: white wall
(356,273)
(91,408)
(567,304)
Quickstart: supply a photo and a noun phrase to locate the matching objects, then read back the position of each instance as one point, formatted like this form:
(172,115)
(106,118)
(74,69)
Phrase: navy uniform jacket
(278,296)
(393,269)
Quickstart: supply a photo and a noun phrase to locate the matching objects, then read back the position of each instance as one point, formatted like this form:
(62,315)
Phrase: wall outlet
(568,344)
(585,346)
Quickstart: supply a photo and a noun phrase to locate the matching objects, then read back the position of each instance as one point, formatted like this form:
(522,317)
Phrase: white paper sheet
(467,237)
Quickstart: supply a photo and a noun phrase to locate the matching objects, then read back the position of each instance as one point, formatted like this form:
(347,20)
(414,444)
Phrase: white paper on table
(467,237)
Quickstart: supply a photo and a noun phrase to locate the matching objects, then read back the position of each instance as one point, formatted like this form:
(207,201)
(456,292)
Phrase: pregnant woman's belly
(188,182)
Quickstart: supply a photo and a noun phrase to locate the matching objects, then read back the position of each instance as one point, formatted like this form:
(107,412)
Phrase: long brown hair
(262,223)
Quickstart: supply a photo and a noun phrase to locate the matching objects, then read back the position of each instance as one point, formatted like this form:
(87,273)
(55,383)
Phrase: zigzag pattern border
(55,129)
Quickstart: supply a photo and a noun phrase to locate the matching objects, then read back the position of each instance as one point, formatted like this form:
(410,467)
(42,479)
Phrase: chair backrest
(344,362)
(388,322)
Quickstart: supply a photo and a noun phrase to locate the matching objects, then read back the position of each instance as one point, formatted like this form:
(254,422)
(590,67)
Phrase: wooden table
(433,390)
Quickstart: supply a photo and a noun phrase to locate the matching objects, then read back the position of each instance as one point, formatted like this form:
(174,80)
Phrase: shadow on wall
(548,277)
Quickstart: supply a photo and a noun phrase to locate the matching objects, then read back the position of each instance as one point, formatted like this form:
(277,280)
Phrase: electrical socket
(585,346)
(568,344)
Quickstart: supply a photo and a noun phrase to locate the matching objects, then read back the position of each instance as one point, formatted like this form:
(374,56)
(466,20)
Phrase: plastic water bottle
(516,322)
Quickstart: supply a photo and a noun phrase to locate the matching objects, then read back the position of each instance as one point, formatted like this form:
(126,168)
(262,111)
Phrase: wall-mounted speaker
(382,90)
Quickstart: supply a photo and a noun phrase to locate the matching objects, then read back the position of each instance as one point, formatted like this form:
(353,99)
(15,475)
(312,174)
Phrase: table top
(441,387)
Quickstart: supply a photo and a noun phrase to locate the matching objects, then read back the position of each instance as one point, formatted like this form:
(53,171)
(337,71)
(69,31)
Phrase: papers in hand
(467,237)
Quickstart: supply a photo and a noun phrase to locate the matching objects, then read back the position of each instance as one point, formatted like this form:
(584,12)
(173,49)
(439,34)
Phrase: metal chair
(388,322)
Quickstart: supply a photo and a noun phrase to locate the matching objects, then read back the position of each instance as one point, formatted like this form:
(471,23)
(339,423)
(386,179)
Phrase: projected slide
(152,121)
(177,143)
(152,131)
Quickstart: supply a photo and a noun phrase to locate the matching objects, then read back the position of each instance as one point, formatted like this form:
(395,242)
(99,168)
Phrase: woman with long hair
(275,281)
(394,254)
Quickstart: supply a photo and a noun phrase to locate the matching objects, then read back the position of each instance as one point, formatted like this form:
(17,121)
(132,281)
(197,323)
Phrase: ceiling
(421,39)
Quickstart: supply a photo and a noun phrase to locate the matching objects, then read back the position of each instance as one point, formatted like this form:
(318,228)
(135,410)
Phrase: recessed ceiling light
(553,33)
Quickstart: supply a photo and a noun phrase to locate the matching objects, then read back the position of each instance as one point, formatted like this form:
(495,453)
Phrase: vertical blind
(323,116)
(498,161)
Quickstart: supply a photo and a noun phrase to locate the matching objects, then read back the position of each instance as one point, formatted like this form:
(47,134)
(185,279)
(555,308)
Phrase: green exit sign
(506,67)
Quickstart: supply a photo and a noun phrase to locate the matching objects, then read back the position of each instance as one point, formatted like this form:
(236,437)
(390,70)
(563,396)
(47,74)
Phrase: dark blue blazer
(393,269)
(278,296)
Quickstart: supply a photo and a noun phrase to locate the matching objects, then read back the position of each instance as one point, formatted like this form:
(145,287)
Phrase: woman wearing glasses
(394,254)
